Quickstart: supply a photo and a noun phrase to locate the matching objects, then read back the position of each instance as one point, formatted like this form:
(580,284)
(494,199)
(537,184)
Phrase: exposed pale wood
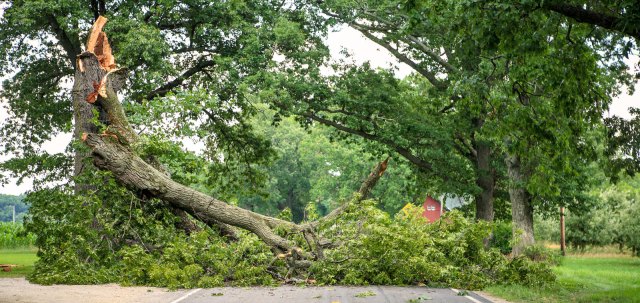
(103,52)
(98,44)
(95,33)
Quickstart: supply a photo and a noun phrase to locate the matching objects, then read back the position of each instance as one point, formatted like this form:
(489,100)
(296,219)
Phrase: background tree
(7,204)
(311,170)
(514,95)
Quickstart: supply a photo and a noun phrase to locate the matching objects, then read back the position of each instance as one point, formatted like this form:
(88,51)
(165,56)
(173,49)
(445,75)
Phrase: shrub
(539,253)
(501,237)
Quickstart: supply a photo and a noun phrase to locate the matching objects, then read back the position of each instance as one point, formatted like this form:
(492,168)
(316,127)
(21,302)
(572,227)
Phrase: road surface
(18,290)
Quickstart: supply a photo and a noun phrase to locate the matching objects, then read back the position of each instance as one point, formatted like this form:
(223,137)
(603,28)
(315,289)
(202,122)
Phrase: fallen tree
(97,81)
(354,244)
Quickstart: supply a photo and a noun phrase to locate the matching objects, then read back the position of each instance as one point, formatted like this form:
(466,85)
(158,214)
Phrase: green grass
(583,279)
(23,257)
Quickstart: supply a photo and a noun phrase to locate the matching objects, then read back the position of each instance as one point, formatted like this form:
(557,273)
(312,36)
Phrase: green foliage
(589,228)
(540,253)
(501,237)
(522,271)
(377,249)
(311,170)
(114,237)
(13,235)
(614,221)
(623,147)
(547,229)
(202,260)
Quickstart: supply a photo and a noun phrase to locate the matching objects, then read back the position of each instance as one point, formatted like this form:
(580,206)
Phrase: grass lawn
(583,279)
(23,257)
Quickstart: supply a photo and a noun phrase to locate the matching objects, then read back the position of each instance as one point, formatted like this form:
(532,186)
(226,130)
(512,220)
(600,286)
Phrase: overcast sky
(362,50)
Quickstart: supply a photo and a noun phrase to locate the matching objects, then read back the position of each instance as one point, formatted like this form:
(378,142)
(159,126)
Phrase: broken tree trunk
(96,84)
(111,150)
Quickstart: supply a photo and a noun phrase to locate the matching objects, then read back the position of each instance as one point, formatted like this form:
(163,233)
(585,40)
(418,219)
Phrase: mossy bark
(521,206)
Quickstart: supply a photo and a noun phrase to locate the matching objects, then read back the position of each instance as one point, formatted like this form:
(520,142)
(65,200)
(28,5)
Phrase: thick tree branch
(406,153)
(584,15)
(136,174)
(71,46)
(404,59)
(416,43)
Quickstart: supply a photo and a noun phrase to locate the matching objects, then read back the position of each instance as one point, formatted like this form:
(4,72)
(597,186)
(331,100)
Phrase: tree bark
(486,181)
(83,87)
(521,207)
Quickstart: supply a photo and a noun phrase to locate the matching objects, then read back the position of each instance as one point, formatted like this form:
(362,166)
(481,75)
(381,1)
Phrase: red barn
(432,209)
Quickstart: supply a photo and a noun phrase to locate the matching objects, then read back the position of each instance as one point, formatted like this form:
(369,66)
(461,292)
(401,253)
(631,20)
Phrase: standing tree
(513,103)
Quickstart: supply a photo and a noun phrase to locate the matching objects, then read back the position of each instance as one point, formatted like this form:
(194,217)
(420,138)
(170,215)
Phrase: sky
(362,50)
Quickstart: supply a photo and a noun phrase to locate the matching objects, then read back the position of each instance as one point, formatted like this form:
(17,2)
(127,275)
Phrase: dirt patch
(19,290)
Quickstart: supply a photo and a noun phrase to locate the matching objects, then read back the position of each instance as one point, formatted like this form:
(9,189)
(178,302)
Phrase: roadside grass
(23,257)
(583,279)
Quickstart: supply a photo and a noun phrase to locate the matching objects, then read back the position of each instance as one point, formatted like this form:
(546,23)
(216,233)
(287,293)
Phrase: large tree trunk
(132,172)
(486,181)
(521,207)
(93,68)
(83,116)
(110,151)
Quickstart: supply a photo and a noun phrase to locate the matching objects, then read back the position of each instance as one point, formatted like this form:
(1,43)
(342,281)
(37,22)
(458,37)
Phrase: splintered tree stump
(98,44)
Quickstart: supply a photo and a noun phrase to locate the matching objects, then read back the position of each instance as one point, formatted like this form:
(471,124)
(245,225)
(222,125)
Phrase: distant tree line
(6,208)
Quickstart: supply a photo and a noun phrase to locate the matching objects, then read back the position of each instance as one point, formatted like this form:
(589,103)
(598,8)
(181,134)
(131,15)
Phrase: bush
(501,237)
(547,229)
(521,270)
(13,235)
(539,253)
(630,228)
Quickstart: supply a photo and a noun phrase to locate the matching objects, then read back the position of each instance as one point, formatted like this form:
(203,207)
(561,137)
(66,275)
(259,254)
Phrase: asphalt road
(338,294)
(18,290)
